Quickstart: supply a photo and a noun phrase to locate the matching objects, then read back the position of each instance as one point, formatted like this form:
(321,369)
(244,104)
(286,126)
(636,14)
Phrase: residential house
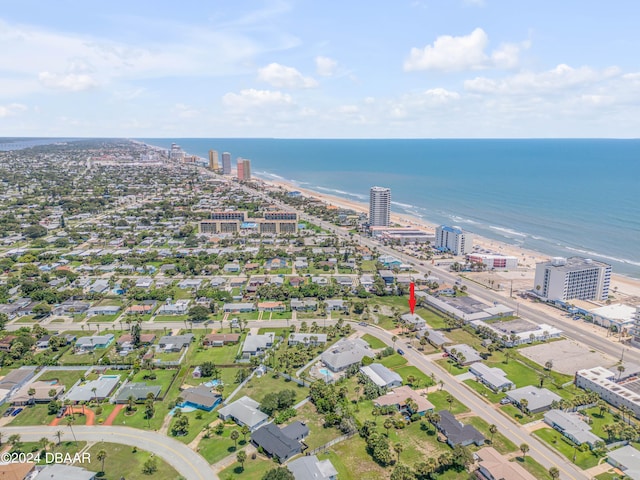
(244,411)
(238,307)
(190,283)
(179,307)
(280,443)
(296,281)
(6,343)
(103,310)
(494,466)
(95,342)
(98,389)
(572,426)
(387,276)
(344,281)
(304,305)
(257,344)
(42,391)
(381,375)
(201,397)
(346,352)
(60,471)
(399,396)
(175,343)
(144,282)
(320,280)
(220,339)
(434,337)
(538,399)
(272,307)
(458,433)
(310,468)
(492,377)
(145,339)
(139,391)
(71,307)
(18,470)
(627,459)
(413,321)
(231,267)
(463,354)
(336,305)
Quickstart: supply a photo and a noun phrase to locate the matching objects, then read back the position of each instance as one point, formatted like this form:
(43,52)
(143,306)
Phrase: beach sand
(627,289)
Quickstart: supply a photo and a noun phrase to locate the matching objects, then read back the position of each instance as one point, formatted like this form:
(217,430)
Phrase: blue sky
(316,69)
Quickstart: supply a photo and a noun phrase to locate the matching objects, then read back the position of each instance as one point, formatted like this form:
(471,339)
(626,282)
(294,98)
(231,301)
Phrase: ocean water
(558,197)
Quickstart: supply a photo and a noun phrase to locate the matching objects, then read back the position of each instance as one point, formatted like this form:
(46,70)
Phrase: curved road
(187,462)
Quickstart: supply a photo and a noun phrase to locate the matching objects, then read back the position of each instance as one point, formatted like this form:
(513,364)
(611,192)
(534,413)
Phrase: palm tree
(450,401)
(234,436)
(394,339)
(101,456)
(245,431)
(94,390)
(620,370)
(524,448)
(492,430)
(507,356)
(70,420)
(548,364)
(241,457)
(398,447)
(388,423)
(524,404)
(602,406)
(58,435)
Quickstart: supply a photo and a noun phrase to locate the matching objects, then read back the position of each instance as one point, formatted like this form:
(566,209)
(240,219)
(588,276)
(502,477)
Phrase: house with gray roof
(175,343)
(238,307)
(458,433)
(413,321)
(572,426)
(60,471)
(538,399)
(310,468)
(303,305)
(257,344)
(458,351)
(103,310)
(280,443)
(94,342)
(346,352)
(492,377)
(336,305)
(83,392)
(201,397)
(434,337)
(244,411)
(139,391)
(626,459)
(381,375)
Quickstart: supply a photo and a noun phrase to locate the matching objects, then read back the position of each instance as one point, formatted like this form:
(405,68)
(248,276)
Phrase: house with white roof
(381,375)
(244,411)
(492,377)
(346,352)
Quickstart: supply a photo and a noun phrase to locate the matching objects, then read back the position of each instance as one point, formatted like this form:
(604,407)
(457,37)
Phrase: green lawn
(225,355)
(318,435)
(36,415)
(368,266)
(103,318)
(515,413)
(66,377)
(459,335)
(163,378)
(196,424)
(451,366)
(137,419)
(533,467)
(434,319)
(394,360)
(122,462)
(352,461)
(556,440)
(257,388)
(500,442)
(170,318)
(483,391)
(422,380)
(217,447)
(253,468)
(439,400)
(373,341)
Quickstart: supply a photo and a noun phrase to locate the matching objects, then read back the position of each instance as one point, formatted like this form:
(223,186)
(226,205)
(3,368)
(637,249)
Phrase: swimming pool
(324,372)
(213,383)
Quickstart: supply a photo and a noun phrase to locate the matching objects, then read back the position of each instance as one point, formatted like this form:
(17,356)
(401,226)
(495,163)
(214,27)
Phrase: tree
(245,430)
(621,369)
(150,466)
(388,423)
(241,457)
(492,430)
(554,473)
(235,435)
(394,339)
(208,369)
(279,473)
(31,392)
(198,313)
(58,435)
(548,364)
(402,472)
(524,448)
(42,310)
(450,400)
(101,456)
(398,447)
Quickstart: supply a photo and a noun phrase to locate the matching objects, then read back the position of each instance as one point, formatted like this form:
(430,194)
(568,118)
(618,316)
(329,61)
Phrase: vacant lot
(567,356)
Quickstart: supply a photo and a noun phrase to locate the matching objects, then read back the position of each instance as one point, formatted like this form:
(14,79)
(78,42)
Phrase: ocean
(558,197)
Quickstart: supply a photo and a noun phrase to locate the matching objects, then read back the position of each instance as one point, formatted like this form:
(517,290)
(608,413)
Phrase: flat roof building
(379,206)
(571,278)
(453,240)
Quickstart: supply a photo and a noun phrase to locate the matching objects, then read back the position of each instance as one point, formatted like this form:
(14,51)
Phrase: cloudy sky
(316,69)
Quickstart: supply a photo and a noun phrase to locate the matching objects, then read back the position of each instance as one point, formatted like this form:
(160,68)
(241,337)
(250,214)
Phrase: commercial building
(244,169)
(213,161)
(453,240)
(226,163)
(572,278)
(494,262)
(233,222)
(618,389)
(379,206)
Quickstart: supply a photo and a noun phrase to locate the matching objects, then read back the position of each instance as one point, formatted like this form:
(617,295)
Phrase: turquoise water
(324,372)
(559,197)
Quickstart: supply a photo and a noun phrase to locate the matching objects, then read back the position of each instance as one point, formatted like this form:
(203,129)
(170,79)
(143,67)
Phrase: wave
(405,205)
(275,176)
(359,196)
(508,231)
(606,257)
(459,219)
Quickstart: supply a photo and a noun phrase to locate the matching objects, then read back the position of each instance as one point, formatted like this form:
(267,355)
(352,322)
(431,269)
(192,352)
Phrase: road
(187,462)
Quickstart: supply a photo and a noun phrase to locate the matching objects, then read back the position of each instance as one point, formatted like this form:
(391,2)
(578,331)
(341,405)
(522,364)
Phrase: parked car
(409,345)
(16,411)
(505,401)
(445,354)
(400,351)
(9,411)
(363,324)
(61,412)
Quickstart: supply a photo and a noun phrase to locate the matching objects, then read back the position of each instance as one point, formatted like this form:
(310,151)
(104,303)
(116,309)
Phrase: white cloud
(11,109)
(282,76)
(466,52)
(186,111)
(559,78)
(251,98)
(348,109)
(72,82)
(325,66)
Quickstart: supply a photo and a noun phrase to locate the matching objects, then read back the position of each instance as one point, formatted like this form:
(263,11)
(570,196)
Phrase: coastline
(527,259)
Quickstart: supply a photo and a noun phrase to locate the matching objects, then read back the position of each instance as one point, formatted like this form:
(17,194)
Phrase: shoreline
(527,258)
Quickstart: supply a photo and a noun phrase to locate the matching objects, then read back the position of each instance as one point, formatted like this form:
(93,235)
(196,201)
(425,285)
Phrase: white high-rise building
(379,206)
(572,278)
(454,240)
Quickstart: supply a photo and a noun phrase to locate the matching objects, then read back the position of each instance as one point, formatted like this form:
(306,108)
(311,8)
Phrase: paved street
(187,462)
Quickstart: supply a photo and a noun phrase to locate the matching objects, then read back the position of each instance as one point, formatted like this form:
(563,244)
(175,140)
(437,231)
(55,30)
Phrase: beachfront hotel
(379,206)
(453,240)
(226,163)
(573,278)
(244,169)
(213,160)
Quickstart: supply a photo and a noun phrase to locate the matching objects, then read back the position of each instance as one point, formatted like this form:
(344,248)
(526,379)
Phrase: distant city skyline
(290,69)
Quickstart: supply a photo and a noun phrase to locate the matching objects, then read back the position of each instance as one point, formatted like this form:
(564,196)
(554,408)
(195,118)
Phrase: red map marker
(412,297)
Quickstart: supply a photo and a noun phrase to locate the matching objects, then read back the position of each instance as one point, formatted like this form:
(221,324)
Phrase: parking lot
(567,356)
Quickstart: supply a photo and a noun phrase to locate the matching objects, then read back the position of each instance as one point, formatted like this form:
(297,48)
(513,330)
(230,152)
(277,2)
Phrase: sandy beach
(628,289)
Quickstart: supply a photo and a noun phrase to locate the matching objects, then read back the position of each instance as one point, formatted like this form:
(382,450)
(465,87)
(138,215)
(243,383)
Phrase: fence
(329,444)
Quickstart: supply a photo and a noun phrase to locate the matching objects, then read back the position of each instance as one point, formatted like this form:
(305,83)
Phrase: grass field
(217,447)
(500,442)
(533,467)
(394,360)
(163,378)
(373,341)
(253,468)
(439,400)
(556,440)
(257,388)
(36,415)
(122,462)
(66,377)
(451,366)
(483,391)
(422,380)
